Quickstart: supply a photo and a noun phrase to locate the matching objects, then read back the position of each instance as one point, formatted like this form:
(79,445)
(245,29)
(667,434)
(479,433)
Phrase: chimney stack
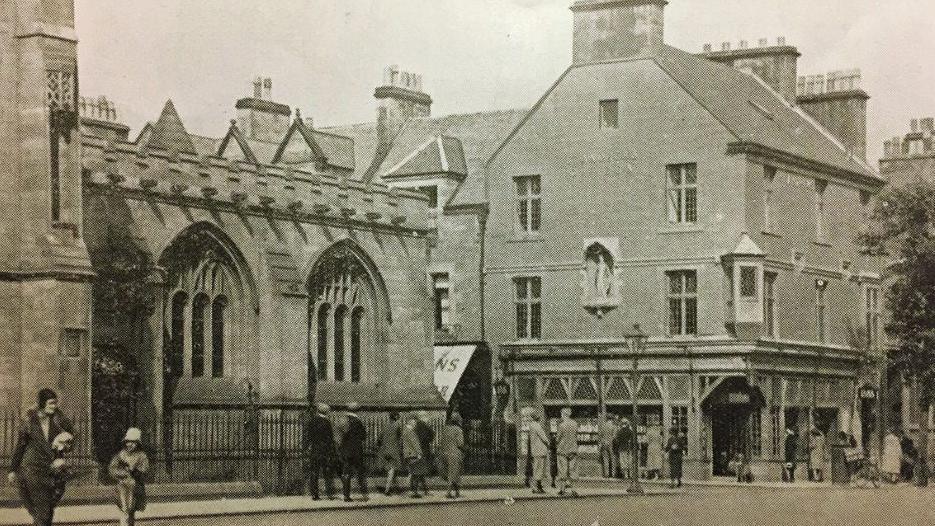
(775,65)
(617,29)
(400,99)
(837,101)
(258,117)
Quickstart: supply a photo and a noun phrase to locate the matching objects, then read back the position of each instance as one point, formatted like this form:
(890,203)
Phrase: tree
(902,230)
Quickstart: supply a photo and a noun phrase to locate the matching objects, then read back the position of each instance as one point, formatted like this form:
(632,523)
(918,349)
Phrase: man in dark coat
(319,446)
(31,465)
(791,450)
(426,435)
(351,451)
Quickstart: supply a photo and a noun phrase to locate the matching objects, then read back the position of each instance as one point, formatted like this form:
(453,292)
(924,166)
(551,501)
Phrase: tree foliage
(902,231)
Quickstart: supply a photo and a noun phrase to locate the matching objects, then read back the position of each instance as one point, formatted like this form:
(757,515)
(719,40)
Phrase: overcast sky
(327,56)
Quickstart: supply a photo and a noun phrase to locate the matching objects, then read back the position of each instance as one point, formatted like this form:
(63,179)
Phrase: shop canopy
(450,363)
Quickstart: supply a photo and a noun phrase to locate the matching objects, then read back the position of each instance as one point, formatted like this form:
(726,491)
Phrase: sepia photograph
(467,262)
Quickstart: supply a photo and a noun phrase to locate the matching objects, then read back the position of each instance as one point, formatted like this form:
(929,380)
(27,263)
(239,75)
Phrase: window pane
(690,173)
(217,336)
(520,185)
(536,321)
(198,335)
(535,216)
(356,318)
(691,205)
(675,175)
(675,316)
(536,287)
(523,216)
(691,316)
(675,282)
(534,185)
(609,113)
(520,288)
(339,343)
(521,318)
(675,205)
(748,281)
(691,282)
(322,324)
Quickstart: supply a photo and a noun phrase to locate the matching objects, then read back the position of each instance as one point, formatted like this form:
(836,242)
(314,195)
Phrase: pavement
(508,492)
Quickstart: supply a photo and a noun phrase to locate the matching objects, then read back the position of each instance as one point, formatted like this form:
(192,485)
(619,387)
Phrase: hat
(44,396)
(62,441)
(353,406)
(133,435)
(323,408)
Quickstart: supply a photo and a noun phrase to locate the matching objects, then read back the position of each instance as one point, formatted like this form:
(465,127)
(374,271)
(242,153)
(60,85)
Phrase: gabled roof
(438,155)
(168,133)
(235,139)
(754,113)
(746,247)
(314,146)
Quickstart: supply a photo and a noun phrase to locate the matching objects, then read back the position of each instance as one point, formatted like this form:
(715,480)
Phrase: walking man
(791,449)
(31,465)
(390,451)
(539,451)
(426,436)
(319,447)
(566,448)
(676,447)
(352,453)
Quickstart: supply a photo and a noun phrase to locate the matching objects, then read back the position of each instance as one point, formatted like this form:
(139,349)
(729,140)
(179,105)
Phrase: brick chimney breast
(617,29)
(837,101)
(400,99)
(775,65)
(258,117)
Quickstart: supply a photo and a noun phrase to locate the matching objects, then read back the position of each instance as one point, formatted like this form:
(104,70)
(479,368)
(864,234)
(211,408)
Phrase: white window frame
(683,296)
(821,187)
(769,178)
(604,112)
(528,211)
(821,310)
(527,328)
(769,303)
(682,194)
(441,283)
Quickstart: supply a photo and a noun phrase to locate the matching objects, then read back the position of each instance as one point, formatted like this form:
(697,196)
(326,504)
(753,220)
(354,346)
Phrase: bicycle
(866,472)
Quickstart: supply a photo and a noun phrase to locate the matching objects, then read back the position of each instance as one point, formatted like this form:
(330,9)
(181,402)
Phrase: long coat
(389,446)
(319,439)
(654,450)
(676,447)
(892,454)
(412,452)
(452,451)
(33,455)
(538,440)
(816,455)
(566,440)
(129,470)
(355,435)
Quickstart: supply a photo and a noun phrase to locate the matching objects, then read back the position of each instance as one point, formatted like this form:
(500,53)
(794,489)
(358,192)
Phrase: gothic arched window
(218,324)
(176,361)
(199,311)
(345,296)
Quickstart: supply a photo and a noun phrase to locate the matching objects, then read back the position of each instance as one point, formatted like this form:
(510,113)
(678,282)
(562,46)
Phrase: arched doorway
(732,407)
(347,315)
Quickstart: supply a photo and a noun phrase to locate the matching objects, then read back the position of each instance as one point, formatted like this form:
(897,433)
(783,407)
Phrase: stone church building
(713,198)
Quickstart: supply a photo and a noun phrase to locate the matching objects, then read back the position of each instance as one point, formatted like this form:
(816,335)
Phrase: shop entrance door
(728,436)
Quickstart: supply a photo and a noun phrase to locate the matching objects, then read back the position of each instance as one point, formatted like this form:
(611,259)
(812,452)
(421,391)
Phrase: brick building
(912,156)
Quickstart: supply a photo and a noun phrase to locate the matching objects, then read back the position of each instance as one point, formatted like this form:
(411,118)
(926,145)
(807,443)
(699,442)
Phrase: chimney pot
(763,42)
(914,125)
(258,88)
(781,41)
(742,44)
(706,48)
(725,46)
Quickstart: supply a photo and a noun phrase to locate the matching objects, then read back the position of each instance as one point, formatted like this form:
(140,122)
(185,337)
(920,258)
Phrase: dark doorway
(731,406)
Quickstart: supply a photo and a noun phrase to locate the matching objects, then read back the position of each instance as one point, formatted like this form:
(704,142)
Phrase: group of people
(39,470)
(900,456)
(339,442)
(617,440)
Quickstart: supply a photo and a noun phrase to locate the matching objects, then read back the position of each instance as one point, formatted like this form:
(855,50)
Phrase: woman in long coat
(389,450)
(676,448)
(412,454)
(816,455)
(452,451)
(31,466)
(892,456)
(654,452)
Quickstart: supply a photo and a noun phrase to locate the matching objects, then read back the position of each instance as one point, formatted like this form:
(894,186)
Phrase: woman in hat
(452,450)
(36,466)
(128,467)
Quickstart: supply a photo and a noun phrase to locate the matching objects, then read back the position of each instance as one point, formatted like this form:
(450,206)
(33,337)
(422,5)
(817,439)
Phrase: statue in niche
(599,273)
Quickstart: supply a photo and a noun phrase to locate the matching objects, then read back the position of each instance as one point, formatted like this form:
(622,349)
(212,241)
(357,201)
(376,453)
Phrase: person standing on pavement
(426,436)
(390,452)
(892,457)
(539,451)
(654,452)
(607,434)
(34,462)
(790,450)
(320,450)
(676,447)
(352,453)
(623,443)
(129,467)
(524,449)
(412,456)
(566,449)
(452,451)
(816,456)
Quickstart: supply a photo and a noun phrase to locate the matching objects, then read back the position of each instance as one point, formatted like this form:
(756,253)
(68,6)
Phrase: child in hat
(128,467)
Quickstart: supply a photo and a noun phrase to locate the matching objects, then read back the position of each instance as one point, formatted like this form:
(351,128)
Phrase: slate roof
(754,113)
(169,133)
(338,150)
(440,154)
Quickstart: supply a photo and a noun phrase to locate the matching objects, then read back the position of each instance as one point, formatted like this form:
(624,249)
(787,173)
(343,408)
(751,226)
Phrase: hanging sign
(450,363)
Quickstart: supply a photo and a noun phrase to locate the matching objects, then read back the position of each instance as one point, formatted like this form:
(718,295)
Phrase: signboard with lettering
(450,364)
(738,397)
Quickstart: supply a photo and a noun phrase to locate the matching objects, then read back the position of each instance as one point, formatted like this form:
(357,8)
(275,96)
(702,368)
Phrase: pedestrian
(390,451)
(539,450)
(675,447)
(566,450)
(524,440)
(654,453)
(129,467)
(412,456)
(892,457)
(790,450)
(31,464)
(319,445)
(607,434)
(452,451)
(623,443)
(816,456)
(353,438)
(426,436)
(908,448)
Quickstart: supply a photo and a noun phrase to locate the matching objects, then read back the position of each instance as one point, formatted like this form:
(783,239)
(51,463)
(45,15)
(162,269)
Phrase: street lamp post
(636,340)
